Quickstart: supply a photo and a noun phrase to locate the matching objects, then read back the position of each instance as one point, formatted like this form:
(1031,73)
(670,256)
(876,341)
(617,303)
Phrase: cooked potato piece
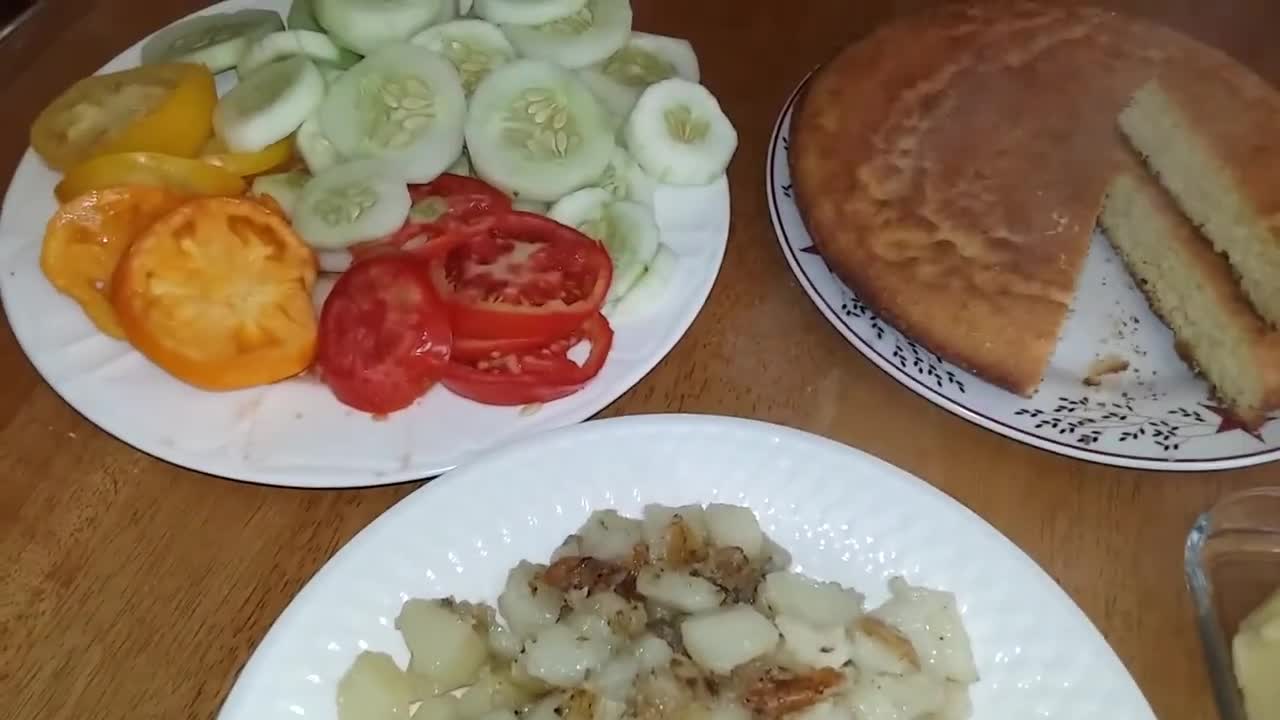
(894,697)
(616,677)
(802,643)
(735,526)
(931,621)
(723,639)
(444,707)
(375,688)
(828,710)
(571,547)
(627,619)
(678,590)
(728,710)
(586,624)
(495,715)
(561,657)
(526,604)
(494,690)
(443,645)
(609,535)
(677,535)
(880,648)
(652,652)
(821,604)
(575,705)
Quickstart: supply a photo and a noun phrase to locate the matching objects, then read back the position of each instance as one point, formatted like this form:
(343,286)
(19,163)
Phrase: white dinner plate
(842,514)
(1156,414)
(295,433)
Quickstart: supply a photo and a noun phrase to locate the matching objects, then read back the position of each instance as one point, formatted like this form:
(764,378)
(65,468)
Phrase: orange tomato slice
(218,294)
(273,156)
(166,108)
(86,238)
(192,177)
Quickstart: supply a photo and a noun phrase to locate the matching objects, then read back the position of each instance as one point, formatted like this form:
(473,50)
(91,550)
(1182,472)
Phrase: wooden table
(132,588)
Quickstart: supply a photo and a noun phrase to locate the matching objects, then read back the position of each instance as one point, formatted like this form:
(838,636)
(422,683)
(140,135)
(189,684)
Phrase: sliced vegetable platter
(391,235)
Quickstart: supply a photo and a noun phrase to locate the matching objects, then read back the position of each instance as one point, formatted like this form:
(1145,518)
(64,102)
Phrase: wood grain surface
(130,588)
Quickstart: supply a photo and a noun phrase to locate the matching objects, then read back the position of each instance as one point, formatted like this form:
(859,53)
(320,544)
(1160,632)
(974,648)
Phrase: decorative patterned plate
(295,433)
(1156,414)
(842,514)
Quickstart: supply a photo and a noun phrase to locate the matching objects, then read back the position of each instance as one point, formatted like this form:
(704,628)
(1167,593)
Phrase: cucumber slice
(643,61)
(404,104)
(679,135)
(287,43)
(462,166)
(648,292)
(351,203)
(302,17)
(284,188)
(267,105)
(334,261)
(316,150)
(331,73)
(625,180)
(216,41)
(535,130)
(626,229)
(590,35)
(526,12)
(530,206)
(367,26)
(475,48)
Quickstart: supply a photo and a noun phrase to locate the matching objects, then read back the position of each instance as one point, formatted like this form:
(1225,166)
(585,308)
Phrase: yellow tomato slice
(86,238)
(164,108)
(248,164)
(186,175)
(218,294)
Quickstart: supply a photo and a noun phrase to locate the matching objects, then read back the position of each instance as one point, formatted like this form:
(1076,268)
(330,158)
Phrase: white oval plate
(1155,415)
(295,433)
(842,514)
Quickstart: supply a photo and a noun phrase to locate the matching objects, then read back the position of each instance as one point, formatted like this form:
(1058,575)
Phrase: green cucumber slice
(279,45)
(268,104)
(284,188)
(648,292)
(626,229)
(625,179)
(531,206)
(590,35)
(404,104)
(367,26)
(351,203)
(475,48)
(316,149)
(331,73)
(302,17)
(462,166)
(526,12)
(679,135)
(535,130)
(644,60)
(216,40)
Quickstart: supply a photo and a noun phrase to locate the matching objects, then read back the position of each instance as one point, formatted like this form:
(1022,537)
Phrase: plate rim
(312,478)
(924,390)
(674,423)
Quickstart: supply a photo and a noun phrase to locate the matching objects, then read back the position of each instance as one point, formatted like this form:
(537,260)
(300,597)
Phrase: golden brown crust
(951,167)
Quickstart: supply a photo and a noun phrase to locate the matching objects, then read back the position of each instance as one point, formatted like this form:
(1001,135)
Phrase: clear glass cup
(1232,566)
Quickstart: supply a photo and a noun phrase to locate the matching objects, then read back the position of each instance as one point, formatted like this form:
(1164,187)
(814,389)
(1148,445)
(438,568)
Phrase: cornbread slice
(1210,130)
(1193,289)
(955,187)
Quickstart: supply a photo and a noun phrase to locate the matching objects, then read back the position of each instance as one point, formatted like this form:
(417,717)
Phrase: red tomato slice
(440,205)
(542,375)
(521,275)
(384,335)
